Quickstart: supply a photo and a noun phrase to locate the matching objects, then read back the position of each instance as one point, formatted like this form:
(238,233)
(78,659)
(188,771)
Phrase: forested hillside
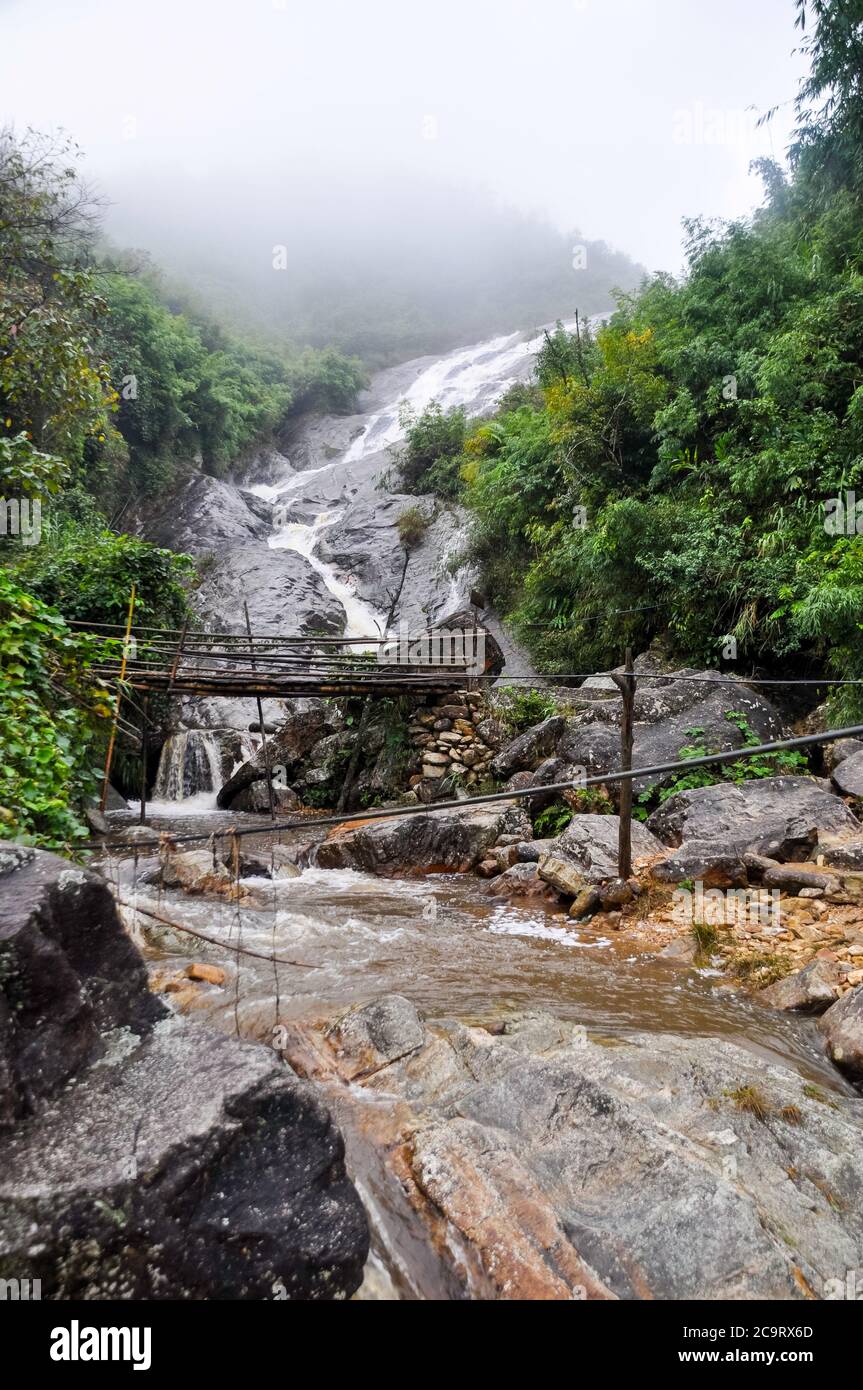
(107,391)
(682,461)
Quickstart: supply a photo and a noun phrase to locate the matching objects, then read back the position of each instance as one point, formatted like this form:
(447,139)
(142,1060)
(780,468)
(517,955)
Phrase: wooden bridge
(181,662)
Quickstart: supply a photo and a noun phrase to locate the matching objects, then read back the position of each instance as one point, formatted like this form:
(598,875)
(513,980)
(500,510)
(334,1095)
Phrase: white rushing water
(474,378)
(190,770)
(361,620)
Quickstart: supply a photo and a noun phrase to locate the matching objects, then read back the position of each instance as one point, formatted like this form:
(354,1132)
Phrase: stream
(444,940)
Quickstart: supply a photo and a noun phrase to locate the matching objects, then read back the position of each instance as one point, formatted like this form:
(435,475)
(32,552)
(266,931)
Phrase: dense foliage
(681,461)
(106,391)
(52,711)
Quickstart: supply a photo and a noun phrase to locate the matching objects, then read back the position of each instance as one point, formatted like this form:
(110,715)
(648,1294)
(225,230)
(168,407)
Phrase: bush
(412,526)
(52,713)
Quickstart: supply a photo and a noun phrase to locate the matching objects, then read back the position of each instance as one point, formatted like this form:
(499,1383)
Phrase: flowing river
(445,941)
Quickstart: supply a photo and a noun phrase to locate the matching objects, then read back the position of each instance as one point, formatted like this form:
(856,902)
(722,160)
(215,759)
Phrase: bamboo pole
(264,745)
(110,754)
(626,686)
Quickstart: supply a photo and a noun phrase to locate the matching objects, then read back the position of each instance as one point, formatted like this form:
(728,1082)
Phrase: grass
(760,969)
(813,1092)
(750,1100)
(706,939)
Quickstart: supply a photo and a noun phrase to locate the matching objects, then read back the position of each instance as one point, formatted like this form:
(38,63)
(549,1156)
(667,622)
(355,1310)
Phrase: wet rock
(570,1169)
(809,991)
(774,815)
(374,1035)
(68,973)
(590,842)
(96,821)
(278,861)
(143,1156)
(848,774)
(207,974)
(529,748)
(521,881)
(450,839)
(203,513)
(309,721)
(842,1026)
(195,871)
(143,835)
(585,903)
(275,582)
(256,799)
(684,950)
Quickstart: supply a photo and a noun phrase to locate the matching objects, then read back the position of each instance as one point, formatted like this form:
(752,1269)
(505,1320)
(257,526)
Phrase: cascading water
(192,767)
(474,378)
(361,620)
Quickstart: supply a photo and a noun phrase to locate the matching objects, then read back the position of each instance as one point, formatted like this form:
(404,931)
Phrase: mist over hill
(385,270)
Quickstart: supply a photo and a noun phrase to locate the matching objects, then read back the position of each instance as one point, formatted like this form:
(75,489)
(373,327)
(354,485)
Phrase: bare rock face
(776,816)
(144,1156)
(589,843)
(562,1168)
(450,839)
(842,1026)
(667,707)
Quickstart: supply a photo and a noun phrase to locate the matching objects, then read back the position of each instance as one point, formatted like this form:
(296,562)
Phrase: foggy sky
(618,117)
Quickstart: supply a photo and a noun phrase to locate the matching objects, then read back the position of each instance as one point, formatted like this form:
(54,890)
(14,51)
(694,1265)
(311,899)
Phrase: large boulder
(777,816)
(671,712)
(848,773)
(309,721)
(144,1156)
(530,748)
(451,840)
(590,843)
(842,1026)
(661,1168)
(808,991)
(68,975)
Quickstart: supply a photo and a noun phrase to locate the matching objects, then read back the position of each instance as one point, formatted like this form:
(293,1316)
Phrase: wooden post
(109,756)
(144,727)
(264,746)
(626,685)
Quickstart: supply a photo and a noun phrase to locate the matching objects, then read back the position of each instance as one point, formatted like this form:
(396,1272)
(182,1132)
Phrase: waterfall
(191,763)
(194,765)
(361,620)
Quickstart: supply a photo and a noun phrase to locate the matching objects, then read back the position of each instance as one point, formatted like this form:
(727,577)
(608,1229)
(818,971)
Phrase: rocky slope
(143,1156)
(550,1164)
